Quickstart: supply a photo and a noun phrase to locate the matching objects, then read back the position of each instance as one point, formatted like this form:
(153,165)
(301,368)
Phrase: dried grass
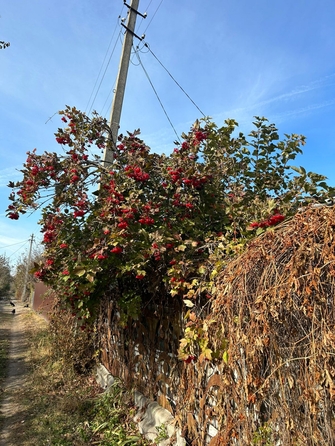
(275,307)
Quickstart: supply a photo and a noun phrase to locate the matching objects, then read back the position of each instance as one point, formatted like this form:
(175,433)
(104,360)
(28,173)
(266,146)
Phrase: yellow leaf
(90,277)
(205,355)
(214,273)
(181,248)
(79,272)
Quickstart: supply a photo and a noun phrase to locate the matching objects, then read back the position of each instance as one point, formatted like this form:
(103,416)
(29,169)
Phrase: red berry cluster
(200,136)
(146,220)
(175,174)
(64,139)
(197,183)
(79,213)
(271,221)
(113,196)
(189,359)
(117,250)
(137,173)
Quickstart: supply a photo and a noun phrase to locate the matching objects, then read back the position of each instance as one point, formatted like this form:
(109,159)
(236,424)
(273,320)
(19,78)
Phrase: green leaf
(260,231)
(300,170)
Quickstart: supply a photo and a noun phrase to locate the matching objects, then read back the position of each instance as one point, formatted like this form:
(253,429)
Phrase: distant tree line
(5,276)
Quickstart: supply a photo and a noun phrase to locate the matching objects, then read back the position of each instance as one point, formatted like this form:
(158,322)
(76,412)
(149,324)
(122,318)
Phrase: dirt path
(11,414)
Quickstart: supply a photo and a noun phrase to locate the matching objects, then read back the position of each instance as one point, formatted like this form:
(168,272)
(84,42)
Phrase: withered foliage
(271,328)
(275,308)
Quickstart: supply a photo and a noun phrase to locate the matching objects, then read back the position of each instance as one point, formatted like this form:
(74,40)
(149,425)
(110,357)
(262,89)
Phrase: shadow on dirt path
(11,414)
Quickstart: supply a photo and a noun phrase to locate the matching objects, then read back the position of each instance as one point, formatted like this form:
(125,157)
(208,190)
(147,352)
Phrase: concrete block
(149,415)
(103,377)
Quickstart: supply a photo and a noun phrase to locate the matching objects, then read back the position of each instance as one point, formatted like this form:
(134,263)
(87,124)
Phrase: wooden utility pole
(115,115)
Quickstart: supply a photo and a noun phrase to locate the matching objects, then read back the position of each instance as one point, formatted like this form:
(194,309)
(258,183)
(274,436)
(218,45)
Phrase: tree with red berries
(155,225)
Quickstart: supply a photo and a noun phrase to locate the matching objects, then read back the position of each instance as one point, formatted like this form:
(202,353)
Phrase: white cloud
(299,96)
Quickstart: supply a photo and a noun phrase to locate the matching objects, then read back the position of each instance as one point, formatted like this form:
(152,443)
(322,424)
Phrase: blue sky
(235,59)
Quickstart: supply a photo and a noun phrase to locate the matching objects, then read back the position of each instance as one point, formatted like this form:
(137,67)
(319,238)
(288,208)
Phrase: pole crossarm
(132,32)
(135,10)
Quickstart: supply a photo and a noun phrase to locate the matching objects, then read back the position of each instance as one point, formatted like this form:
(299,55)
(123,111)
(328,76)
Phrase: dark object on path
(13,311)
(26,306)
(12,303)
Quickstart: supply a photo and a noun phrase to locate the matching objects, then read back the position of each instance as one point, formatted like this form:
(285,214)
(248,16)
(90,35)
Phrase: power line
(148,5)
(13,244)
(142,18)
(104,109)
(152,16)
(103,76)
(103,112)
(159,100)
(97,79)
(147,46)
(18,249)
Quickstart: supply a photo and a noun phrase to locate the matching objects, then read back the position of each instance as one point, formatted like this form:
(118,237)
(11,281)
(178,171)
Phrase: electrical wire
(103,112)
(148,6)
(152,16)
(159,100)
(142,18)
(97,79)
(13,244)
(147,46)
(18,250)
(103,76)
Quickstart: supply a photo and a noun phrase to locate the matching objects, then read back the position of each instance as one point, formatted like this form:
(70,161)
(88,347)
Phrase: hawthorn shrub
(148,222)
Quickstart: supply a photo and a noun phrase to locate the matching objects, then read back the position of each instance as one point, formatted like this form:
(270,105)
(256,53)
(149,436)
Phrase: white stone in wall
(103,377)
(149,416)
